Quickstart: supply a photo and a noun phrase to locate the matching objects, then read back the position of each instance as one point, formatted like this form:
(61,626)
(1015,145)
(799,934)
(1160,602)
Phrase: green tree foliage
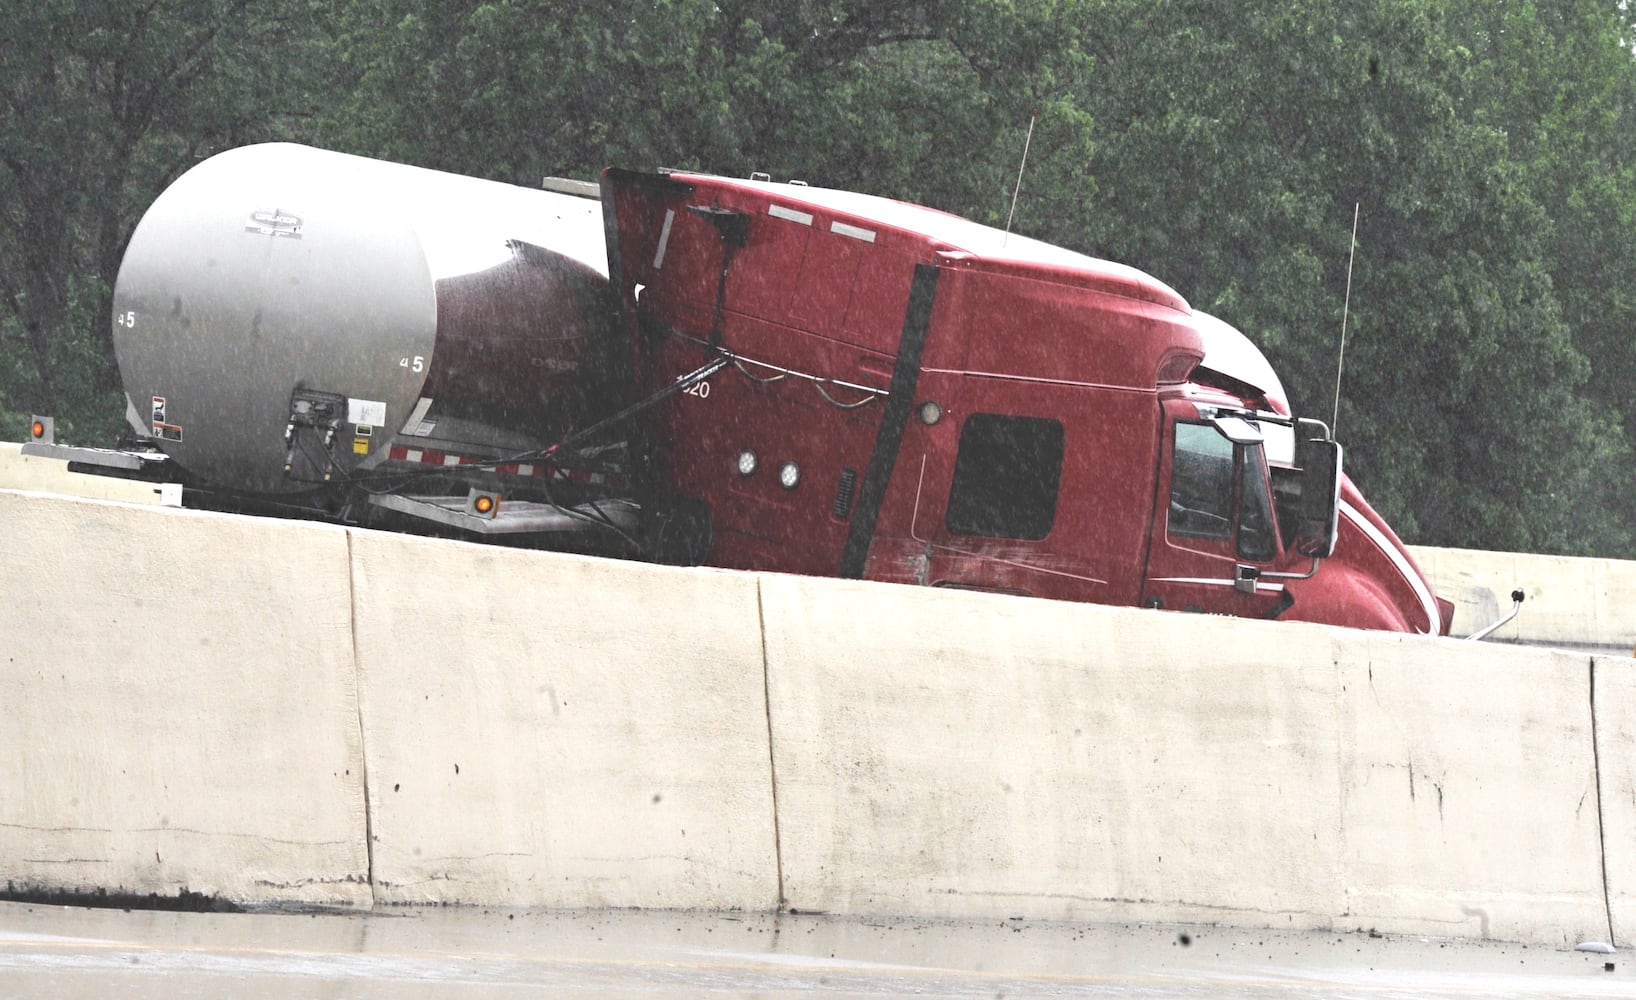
(901,99)
(101,104)
(1485,146)
(1235,146)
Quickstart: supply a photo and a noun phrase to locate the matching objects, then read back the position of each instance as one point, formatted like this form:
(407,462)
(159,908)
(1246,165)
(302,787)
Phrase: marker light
(930,413)
(42,429)
(747,462)
(789,475)
(37,429)
(482,503)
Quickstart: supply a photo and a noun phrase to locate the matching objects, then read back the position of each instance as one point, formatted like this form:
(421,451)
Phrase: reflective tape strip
(664,239)
(412,425)
(856,232)
(780,212)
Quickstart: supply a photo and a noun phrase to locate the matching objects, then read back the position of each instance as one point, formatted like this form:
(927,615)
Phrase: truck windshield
(1209,472)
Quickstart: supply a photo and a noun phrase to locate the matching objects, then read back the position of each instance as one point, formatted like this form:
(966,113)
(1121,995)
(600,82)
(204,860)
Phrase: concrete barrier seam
(772,757)
(1601,825)
(363,734)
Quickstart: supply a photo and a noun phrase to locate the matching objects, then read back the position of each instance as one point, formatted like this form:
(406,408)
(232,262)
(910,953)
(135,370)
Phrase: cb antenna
(1032,116)
(1346,304)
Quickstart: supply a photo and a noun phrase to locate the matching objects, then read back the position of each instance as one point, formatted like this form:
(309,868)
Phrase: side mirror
(1318,508)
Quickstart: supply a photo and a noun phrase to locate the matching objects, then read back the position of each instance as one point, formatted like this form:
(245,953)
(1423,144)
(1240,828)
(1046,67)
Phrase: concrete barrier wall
(50,475)
(974,756)
(1574,602)
(969,755)
(180,708)
(557,731)
(195,701)
(1468,790)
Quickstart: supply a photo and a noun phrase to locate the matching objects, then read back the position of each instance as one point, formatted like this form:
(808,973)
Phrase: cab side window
(1006,476)
(1201,484)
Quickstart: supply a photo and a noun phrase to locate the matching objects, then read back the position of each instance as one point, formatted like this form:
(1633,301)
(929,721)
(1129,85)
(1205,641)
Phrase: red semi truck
(822,382)
(899,394)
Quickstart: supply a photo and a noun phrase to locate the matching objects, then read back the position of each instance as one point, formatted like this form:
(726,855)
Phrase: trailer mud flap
(889,438)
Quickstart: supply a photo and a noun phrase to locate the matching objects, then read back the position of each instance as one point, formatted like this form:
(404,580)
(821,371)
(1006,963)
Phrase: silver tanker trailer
(350,336)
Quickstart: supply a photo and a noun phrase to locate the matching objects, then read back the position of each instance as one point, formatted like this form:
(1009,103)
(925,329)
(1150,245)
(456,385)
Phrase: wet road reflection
(488,953)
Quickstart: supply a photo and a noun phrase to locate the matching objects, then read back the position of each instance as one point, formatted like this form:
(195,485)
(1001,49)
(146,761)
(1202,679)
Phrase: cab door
(1214,533)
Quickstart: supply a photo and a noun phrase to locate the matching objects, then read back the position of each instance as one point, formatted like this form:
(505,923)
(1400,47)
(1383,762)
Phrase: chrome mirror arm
(1516,607)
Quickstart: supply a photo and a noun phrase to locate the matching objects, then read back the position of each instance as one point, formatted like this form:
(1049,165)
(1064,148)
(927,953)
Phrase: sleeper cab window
(1006,475)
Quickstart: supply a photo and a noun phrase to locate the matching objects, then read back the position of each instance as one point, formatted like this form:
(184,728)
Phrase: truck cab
(898,394)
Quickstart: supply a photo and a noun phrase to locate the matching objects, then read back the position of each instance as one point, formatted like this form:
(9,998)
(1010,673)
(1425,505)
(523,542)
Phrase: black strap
(889,438)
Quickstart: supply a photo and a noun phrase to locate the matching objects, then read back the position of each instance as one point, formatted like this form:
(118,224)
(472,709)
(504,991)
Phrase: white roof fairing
(1228,351)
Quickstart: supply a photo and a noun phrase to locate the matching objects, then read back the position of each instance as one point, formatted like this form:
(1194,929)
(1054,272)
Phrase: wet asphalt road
(71,953)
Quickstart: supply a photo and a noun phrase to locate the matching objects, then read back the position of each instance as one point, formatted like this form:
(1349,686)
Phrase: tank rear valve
(320,411)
